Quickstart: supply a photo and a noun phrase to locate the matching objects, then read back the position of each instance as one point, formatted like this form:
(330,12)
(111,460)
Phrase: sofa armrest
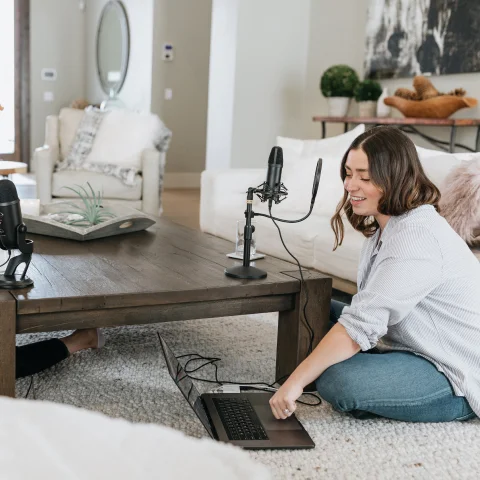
(45,159)
(153,166)
(52,131)
(218,185)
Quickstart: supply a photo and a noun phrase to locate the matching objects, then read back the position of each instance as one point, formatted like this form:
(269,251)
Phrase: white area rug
(128,378)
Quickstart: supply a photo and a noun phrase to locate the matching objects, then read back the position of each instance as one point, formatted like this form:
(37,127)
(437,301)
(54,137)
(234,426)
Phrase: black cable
(251,385)
(30,386)
(282,219)
(8,259)
(302,283)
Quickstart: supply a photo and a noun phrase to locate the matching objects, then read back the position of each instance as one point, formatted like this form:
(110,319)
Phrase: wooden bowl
(437,107)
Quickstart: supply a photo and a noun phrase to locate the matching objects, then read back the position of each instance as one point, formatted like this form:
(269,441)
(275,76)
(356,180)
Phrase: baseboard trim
(182,180)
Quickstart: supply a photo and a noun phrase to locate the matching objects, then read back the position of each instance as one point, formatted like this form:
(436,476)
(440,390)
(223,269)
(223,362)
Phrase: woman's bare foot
(81,340)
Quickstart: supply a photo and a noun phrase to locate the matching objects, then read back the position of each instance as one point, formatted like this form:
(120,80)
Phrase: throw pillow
(300,160)
(82,144)
(460,203)
(124,134)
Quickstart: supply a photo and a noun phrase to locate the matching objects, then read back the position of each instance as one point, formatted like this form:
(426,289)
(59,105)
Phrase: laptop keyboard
(239,419)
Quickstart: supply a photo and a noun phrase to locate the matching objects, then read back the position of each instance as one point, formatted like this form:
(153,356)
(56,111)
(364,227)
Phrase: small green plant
(92,211)
(339,81)
(368,90)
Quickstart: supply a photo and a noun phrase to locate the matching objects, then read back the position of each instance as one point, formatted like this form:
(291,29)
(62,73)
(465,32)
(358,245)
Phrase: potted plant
(366,94)
(338,86)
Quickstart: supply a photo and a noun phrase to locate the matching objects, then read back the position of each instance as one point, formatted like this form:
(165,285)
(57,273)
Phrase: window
(7,77)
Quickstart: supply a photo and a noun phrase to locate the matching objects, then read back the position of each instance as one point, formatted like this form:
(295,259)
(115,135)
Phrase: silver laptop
(243,419)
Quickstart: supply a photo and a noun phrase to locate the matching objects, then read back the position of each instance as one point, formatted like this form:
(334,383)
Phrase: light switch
(167,53)
(48,97)
(168,94)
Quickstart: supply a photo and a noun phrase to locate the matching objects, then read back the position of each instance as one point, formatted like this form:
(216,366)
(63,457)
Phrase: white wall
(327,47)
(271,61)
(221,88)
(57,40)
(186,25)
(136,92)
(266,70)
(261,58)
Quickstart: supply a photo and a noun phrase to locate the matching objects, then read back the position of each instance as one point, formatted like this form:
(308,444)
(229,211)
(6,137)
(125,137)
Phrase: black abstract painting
(413,37)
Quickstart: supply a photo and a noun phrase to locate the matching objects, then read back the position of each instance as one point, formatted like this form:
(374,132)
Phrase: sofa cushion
(300,160)
(68,121)
(112,187)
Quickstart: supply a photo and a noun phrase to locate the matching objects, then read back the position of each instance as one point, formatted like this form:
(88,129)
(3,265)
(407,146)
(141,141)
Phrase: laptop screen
(186,386)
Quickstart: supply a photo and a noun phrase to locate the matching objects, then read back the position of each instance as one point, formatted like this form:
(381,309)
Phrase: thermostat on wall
(49,74)
(167,53)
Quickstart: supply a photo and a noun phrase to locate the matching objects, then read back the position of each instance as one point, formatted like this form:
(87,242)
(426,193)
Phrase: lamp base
(251,273)
(9,282)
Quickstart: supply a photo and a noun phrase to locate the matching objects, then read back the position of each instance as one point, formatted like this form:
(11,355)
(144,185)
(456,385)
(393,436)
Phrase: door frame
(22,83)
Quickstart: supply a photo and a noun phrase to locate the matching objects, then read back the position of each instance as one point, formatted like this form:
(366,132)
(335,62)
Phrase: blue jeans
(397,385)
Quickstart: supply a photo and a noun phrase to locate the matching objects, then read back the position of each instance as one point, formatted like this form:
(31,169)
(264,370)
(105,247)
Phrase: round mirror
(113,45)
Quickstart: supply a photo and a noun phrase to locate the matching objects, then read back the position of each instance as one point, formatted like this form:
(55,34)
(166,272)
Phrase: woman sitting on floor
(407,348)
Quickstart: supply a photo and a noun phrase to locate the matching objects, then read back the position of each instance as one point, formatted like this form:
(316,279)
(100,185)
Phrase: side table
(7,168)
(409,125)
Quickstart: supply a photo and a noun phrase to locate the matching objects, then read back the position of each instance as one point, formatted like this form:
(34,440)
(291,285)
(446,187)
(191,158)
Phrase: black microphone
(10,215)
(12,237)
(273,189)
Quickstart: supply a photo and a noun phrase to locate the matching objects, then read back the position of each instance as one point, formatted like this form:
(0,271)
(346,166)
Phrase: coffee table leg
(293,335)
(8,312)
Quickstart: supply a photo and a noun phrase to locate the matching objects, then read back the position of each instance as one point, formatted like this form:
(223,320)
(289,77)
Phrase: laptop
(242,419)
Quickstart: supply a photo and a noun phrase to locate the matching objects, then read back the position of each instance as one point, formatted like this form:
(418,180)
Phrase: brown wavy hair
(394,167)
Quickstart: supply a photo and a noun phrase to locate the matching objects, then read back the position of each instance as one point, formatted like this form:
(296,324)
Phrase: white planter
(338,106)
(382,109)
(367,109)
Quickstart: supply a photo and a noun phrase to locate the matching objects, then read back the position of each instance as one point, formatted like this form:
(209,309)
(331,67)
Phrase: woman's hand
(283,402)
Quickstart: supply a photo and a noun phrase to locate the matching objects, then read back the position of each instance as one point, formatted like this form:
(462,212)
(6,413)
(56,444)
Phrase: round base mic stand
(246,270)
(10,279)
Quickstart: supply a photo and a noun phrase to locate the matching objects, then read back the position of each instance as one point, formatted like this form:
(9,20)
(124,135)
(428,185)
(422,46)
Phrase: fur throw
(460,203)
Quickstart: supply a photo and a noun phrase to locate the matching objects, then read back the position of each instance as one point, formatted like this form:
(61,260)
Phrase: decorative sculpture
(427,102)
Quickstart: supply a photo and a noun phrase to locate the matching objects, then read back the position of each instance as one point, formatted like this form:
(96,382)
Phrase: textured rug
(128,378)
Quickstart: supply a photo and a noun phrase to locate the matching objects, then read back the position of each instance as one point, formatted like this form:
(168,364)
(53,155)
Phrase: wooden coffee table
(168,273)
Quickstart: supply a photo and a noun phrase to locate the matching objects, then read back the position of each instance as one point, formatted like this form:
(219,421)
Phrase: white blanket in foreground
(48,440)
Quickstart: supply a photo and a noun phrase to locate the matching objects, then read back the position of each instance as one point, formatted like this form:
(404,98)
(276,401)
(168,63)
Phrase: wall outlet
(48,97)
(168,94)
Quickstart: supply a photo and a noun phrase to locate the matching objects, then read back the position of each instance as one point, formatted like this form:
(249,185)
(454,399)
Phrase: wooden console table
(409,125)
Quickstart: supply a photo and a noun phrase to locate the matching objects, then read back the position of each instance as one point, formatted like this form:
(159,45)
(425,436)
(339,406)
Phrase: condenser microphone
(273,189)
(10,214)
(12,237)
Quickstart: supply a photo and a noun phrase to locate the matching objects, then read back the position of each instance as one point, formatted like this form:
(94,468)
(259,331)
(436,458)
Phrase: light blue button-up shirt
(419,291)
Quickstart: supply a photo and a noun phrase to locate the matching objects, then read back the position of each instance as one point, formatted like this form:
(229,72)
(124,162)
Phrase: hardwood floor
(182,206)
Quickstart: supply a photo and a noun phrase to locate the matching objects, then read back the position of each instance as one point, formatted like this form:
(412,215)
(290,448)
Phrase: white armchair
(60,132)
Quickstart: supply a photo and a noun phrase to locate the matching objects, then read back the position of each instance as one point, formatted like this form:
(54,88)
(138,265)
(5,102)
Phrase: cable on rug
(267,387)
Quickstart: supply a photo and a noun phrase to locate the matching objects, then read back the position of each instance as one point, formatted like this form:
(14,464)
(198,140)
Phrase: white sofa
(311,241)
(60,132)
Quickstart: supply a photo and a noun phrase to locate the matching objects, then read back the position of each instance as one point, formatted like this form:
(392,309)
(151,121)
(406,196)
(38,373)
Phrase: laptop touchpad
(271,423)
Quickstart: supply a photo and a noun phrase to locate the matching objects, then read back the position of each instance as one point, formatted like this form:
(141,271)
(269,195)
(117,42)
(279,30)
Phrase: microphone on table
(273,189)
(12,237)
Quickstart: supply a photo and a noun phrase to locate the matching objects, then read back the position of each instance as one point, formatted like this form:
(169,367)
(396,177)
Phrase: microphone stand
(10,279)
(246,270)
